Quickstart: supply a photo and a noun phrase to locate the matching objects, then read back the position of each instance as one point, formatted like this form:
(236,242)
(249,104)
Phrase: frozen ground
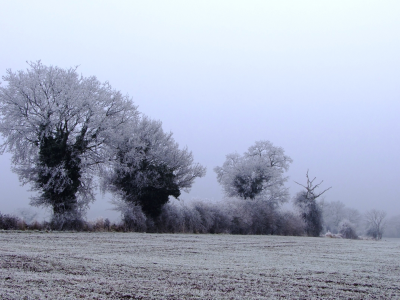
(37,265)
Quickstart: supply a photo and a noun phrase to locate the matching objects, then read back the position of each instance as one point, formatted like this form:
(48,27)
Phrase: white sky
(318,78)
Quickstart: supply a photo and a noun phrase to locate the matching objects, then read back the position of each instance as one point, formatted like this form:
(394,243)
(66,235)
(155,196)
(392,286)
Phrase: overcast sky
(320,79)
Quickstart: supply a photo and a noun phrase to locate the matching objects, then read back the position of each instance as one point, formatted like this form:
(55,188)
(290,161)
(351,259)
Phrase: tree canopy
(150,168)
(258,173)
(60,128)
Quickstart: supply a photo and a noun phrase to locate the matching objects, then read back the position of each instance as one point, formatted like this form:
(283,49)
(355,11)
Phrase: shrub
(8,222)
(346,230)
(67,221)
(35,225)
(234,216)
(134,219)
(290,223)
(107,224)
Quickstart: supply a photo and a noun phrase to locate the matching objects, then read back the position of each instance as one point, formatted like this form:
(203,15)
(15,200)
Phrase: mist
(320,80)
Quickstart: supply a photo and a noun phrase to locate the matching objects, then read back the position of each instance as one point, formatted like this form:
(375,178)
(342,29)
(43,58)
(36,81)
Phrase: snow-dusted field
(37,265)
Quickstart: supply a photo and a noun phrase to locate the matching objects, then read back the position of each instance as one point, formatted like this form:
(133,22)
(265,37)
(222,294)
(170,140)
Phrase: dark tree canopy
(150,168)
(151,197)
(53,152)
(250,186)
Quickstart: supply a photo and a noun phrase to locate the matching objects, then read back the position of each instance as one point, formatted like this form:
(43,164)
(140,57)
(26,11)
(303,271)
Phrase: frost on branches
(60,128)
(258,174)
(308,208)
(150,167)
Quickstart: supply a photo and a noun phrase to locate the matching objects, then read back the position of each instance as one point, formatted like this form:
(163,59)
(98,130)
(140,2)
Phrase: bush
(99,225)
(252,217)
(232,217)
(134,219)
(346,230)
(290,224)
(67,222)
(9,222)
(107,224)
(35,225)
(209,218)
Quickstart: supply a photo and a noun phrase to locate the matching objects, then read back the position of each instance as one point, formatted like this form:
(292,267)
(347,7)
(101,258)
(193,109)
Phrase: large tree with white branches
(258,174)
(150,167)
(61,129)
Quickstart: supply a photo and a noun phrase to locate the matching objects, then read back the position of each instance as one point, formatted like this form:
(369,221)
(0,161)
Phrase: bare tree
(392,228)
(375,222)
(335,212)
(309,209)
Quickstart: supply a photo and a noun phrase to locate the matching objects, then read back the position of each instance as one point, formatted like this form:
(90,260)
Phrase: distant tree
(375,222)
(392,228)
(27,215)
(354,217)
(59,127)
(335,212)
(309,209)
(150,168)
(256,174)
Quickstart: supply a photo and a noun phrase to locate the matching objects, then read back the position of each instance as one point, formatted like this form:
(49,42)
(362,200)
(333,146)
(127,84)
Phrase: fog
(319,79)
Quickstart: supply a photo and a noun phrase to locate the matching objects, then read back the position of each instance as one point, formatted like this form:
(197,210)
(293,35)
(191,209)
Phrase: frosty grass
(35,265)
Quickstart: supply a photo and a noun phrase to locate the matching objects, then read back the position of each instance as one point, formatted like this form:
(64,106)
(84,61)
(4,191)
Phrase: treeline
(230,217)
(70,135)
(346,222)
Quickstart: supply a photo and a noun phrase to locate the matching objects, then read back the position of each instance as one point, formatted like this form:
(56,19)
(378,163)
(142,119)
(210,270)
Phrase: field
(35,265)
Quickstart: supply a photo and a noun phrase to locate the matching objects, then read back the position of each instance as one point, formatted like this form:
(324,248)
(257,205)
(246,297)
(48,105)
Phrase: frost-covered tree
(256,174)
(59,127)
(392,228)
(309,209)
(335,212)
(150,167)
(375,223)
